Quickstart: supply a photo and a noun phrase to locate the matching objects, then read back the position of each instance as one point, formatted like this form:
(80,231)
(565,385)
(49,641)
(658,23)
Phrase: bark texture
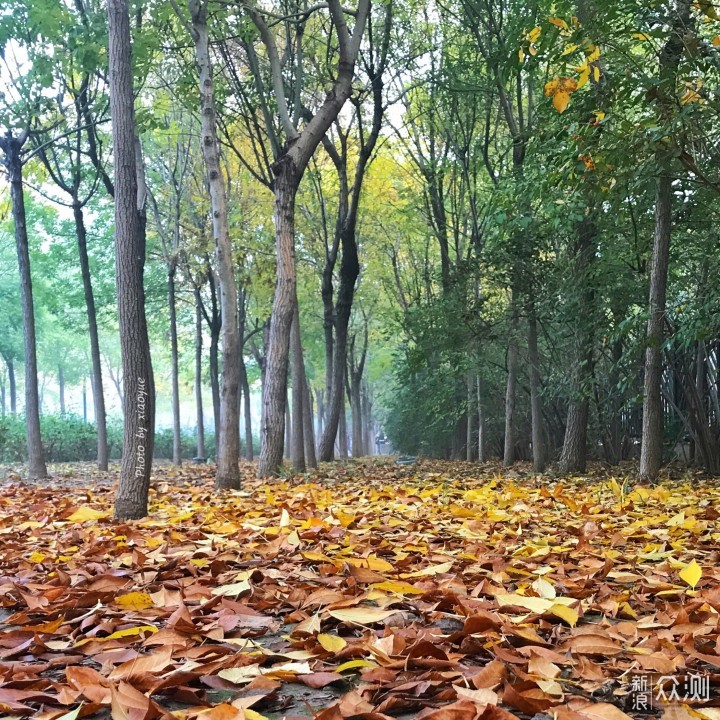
(138,381)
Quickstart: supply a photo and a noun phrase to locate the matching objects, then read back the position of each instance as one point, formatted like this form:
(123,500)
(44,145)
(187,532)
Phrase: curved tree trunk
(97,383)
(177,450)
(200,453)
(36,456)
(226,436)
(138,382)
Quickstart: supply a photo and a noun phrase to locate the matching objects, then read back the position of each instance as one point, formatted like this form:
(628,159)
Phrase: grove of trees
(486,228)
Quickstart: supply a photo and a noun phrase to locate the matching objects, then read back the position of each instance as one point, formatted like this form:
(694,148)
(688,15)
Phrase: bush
(68,438)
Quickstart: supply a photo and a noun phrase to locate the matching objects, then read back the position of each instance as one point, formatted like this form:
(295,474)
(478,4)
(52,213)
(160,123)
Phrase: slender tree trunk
(652,428)
(61,386)
(84,402)
(215,379)
(287,444)
(13,386)
(285,299)
(3,397)
(245,387)
(342,431)
(36,457)
(482,434)
(357,419)
(320,412)
(349,271)
(308,430)
(538,426)
(138,382)
(227,439)
(298,394)
(97,383)
(651,453)
(470,439)
(198,377)
(174,372)
(511,387)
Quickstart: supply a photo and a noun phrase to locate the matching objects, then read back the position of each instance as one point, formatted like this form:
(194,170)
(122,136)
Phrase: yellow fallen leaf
(401,588)
(351,664)
(568,614)
(129,632)
(331,643)
(36,557)
(232,590)
(84,513)
(691,574)
(361,615)
(135,601)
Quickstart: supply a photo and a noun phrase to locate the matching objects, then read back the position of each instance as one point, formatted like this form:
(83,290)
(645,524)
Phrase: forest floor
(369,590)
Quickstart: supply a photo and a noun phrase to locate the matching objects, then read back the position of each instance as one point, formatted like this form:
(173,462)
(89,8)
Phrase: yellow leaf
(252,715)
(429,571)
(401,588)
(351,664)
(716,41)
(129,632)
(568,614)
(596,74)
(233,589)
(569,49)
(691,574)
(584,77)
(550,88)
(561,100)
(315,556)
(84,513)
(544,588)
(135,601)
(521,55)
(331,643)
(36,557)
(559,22)
(641,36)
(534,34)
(284,518)
(594,54)
(361,615)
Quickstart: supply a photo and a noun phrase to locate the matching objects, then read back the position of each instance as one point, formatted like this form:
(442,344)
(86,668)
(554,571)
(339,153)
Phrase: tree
(130,196)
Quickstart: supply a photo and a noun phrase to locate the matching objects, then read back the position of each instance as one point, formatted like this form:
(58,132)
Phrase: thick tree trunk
(61,386)
(298,395)
(482,433)
(538,425)
(274,392)
(227,437)
(174,370)
(36,457)
(651,453)
(308,430)
(200,420)
(138,382)
(97,383)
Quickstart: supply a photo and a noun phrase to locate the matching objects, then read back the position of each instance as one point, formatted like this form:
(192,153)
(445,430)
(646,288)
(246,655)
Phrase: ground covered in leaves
(370,591)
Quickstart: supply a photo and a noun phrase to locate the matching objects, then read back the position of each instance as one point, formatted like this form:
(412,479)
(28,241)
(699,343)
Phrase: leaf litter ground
(437,590)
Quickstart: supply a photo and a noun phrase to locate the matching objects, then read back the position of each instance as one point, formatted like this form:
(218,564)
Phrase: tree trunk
(511,387)
(651,452)
(97,383)
(308,430)
(138,382)
(12,386)
(470,439)
(320,412)
(215,379)
(227,439)
(36,456)
(357,417)
(287,444)
(174,372)
(298,395)
(349,271)
(61,386)
(284,301)
(200,453)
(245,387)
(538,429)
(482,434)
(342,431)
(84,402)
